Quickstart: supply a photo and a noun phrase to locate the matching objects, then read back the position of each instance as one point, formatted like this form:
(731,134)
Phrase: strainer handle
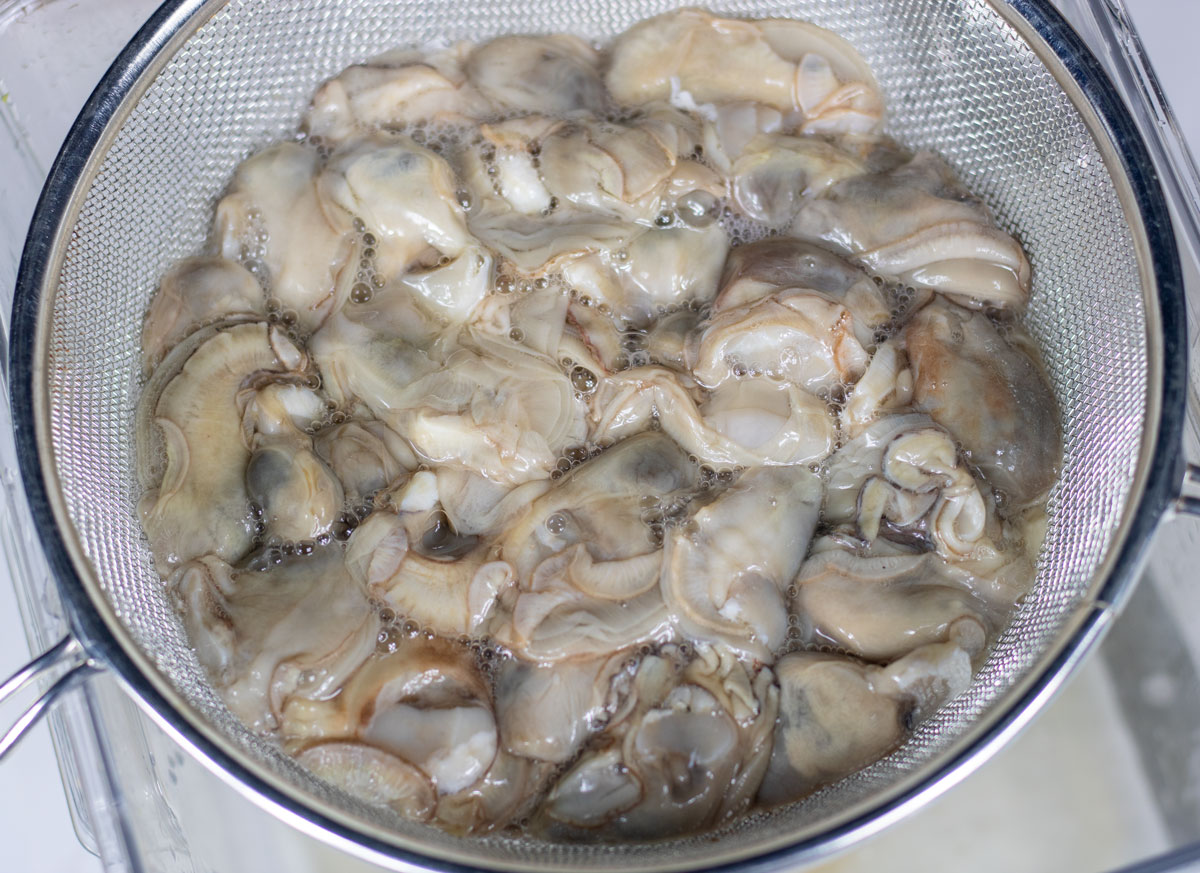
(1189,497)
(66,655)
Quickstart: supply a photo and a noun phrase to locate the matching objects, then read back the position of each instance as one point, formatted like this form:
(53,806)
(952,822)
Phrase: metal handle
(66,652)
(1189,496)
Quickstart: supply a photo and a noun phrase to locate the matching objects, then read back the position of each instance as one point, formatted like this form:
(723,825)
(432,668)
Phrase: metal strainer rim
(55,214)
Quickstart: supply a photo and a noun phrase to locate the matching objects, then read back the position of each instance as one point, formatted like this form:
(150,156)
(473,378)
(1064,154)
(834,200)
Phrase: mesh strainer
(1006,92)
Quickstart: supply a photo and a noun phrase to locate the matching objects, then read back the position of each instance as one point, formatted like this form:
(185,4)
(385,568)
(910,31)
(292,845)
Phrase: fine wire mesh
(957,79)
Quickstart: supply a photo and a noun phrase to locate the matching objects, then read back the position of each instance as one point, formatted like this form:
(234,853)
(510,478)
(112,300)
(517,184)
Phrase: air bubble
(387,641)
(697,208)
(556,523)
(361,293)
(516,335)
(583,379)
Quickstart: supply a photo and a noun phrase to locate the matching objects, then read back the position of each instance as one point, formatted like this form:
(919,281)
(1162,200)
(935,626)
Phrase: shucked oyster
(793,67)
(274,217)
(199,504)
(917,223)
(991,394)
(275,632)
(837,714)
(724,575)
(426,704)
(689,753)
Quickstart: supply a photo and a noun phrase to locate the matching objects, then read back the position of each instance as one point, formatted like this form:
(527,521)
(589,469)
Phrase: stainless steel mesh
(958,79)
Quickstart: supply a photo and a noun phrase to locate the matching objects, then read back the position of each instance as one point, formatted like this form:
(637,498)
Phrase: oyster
(364,456)
(725,573)
(991,394)
(396,90)
(901,478)
(198,503)
(917,223)
(373,775)
(274,217)
(427,704)
(586,564)
(689,754)
(774,175)
(298,495)
(193,293)
(801,338)
(555,74)
(547,711)
(744,422)
(405,197)
(880,608)
(283,630)
(837,714)
(798,69)
(451,594)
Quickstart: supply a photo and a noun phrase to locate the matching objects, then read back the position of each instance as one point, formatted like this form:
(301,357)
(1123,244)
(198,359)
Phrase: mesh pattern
(957,79)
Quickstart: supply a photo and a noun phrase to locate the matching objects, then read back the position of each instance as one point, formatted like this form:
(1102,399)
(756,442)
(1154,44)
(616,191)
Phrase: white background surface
(36,835)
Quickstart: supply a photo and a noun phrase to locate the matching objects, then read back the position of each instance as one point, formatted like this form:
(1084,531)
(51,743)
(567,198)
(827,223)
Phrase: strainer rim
(54,216)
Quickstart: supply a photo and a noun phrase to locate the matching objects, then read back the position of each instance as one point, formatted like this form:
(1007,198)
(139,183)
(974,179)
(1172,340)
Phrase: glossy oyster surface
(595,442)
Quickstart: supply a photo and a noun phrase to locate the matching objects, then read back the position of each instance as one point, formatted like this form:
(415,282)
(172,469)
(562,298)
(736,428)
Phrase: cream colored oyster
(917,223)
(836,714)
(193,293)
(274,217)
(725,573)
(282,630)
(396,90)
(803,71)
(197,503)
(427,704)
(689,753)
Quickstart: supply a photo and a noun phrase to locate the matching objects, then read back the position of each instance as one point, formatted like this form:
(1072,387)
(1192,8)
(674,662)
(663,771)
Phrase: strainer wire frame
(1153,491)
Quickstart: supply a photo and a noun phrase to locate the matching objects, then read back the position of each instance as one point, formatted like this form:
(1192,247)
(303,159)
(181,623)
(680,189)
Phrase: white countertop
(35,827)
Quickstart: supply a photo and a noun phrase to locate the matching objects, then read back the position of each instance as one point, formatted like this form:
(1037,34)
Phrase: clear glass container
(1107,776)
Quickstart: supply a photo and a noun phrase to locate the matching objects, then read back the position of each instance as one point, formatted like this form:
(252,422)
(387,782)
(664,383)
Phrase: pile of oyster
(595,442)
